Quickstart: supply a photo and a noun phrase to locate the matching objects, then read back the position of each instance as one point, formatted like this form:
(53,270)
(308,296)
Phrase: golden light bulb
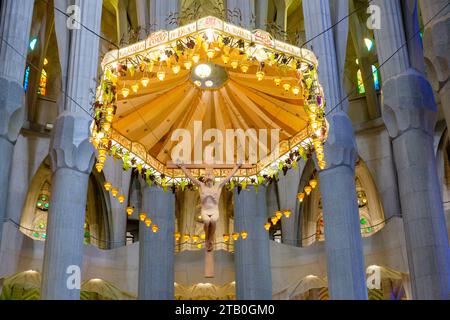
(109,109)
(107,185)
(267,226)
(322,164)
(244,235)
(296,90)
(177,236)
(105,140)
(114,192)
(301,196)
(277,81)
(226,237)
(203,236)
(244,68)
(148,222)
(160,75)
(145,81)
(234,64)
(235,236)
(186,237)
(109,117)
(135,87)
(121,198)
(176,68)
(197,83)
(274,220)
(130,210)
(125,92)
(225,59)
(195,238)
(155,228)
(278,214)
(101,158)
(196,58)
(142,216)
(106,126)
(308,190)
(99,166)
(210,53)
(320,156)
(102,152)
(313,183)
(188,65)
(260,75)
(199,245)
(287,213)
(286,87)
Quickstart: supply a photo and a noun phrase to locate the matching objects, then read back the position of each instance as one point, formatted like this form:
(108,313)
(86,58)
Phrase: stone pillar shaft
(159,12)
(252,255)
(156,250)
(13,51)
(246,10)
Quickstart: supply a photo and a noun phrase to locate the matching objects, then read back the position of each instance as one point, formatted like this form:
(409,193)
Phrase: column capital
(11,109)
(408,103)
(340,147)
(70,146)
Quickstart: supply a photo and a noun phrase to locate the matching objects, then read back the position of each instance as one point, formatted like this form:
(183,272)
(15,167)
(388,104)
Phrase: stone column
(72,158)
(409,111)
(345,260)
(142,17)
(13,51)
(156,250)
(288,187)
(122,22)
(437,47)
(160,11)
(252,255)
(261,8)
(242,13)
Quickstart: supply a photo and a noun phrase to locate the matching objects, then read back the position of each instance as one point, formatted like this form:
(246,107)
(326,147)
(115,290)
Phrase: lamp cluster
(307,190)
(277,217)
(114,191)
(148,222)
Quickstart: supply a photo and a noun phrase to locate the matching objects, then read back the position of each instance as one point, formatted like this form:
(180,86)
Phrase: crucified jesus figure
(209,197)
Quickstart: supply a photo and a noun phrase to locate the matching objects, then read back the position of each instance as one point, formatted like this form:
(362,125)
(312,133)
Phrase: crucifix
(209,197)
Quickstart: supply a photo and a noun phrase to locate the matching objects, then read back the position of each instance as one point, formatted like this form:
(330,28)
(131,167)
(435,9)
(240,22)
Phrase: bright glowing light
(369,43)
(209,83)
(33,43)
(203,70)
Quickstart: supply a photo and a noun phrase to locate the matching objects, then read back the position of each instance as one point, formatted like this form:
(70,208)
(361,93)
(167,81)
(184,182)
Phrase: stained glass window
(26,78)
(376,80)
(42,91)
(376,77)
(361,88)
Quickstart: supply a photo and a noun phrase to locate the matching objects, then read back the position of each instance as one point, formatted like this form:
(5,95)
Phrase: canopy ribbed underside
(152,114)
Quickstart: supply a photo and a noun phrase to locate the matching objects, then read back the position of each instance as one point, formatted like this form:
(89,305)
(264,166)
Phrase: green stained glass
(363,221)
(44,235)
(35,234)
(46,205)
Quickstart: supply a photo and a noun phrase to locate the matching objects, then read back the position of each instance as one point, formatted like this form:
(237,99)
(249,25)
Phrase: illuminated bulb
(203,70)
(235,236)
(308,190)
(155,228)
(109,117)
(188,65)
(320,156)
(278,214)
(234,64)
(142,216)
(287,213)
(210,53)
(301,196)
(199,246)
(145,81)
(244,68)
(186,237)
(121,198)
(125,92)
(107,185)
(274,220)
(296,90)
(109,109)
(102,152)
(203,236)
(209,83)
(177,236)
(313,183)
(267,226)
(160,75)
(322,164)
(226,237)
(197,83)
(244,235)
(195,238)
(176,68)
(286,86)
(106,126)
(260,75)
(277,81)
(196,58)
(101,158)
(105,140)
(114,192)
(130,210)
(148,222)
(135,87)
(99,166)
(225,59)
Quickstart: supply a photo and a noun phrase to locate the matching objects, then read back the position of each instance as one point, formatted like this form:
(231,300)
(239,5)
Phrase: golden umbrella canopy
(202,76)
